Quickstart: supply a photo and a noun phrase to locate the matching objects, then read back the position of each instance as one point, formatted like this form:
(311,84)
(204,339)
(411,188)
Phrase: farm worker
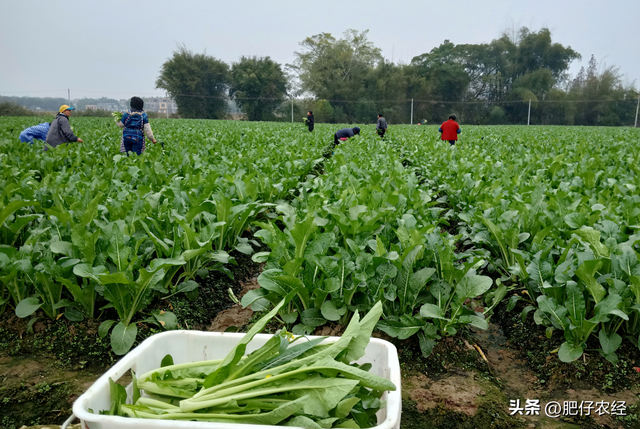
(345,134)
(60,131)
(135,125)
(37,132)
(310,120)
(450,130)
(381,126)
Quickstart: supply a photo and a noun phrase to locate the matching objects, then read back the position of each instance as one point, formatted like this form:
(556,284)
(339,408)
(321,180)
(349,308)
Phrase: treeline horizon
(346,80)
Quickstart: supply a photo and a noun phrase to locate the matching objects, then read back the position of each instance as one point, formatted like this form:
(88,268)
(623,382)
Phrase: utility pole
(412,111)
(529,117)
(637,108)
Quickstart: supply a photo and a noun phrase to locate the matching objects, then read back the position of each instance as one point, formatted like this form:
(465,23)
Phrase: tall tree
(198,82)
(334,69)
(259,86)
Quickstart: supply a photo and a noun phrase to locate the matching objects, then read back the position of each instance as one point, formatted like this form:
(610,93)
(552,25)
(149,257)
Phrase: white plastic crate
(191,346)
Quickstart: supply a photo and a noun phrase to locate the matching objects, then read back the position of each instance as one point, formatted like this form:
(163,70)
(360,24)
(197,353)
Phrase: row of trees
(348,80)
(201,85)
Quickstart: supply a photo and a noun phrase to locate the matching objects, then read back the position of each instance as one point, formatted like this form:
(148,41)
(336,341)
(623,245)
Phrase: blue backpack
(134,128)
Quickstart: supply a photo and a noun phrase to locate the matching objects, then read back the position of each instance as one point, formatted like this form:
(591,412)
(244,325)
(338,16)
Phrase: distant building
(108,106)
(91,107)
(160,105)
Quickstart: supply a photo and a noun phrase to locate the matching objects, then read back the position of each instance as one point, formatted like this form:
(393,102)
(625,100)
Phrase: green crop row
(85,228)
(558,213)
(440,235)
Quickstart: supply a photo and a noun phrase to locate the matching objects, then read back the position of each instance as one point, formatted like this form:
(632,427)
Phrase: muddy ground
(456,387)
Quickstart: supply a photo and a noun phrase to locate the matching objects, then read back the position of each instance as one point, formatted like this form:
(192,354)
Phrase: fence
(565,111)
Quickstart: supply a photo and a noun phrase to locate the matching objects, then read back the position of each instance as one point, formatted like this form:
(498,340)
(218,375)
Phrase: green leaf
(329,311)
(402,328)
(575,220)
(63,216)
(569,353)
(92,210)
(13,206)
(417,283)
(312,317)
(104,328)
(512,302)
(477,321)
(234,356)
(260,257)
(348,424)
(167,319)
(166,361)
(586,272)
(293,352)
(62,247)
(403,280)
(556,312)
(118,398)
(609,343)
(271,418)
(355,211)
(187,286)
(608,306)
(118,277)
(303,422)
(323,393)
(344,407)
(575,303)
(27,307)
(358,344)
(432,311)
(301,234)
(592,237)
(426,344)
(73,314)
(86,271)
(278,281)
(123,337)
(472,285)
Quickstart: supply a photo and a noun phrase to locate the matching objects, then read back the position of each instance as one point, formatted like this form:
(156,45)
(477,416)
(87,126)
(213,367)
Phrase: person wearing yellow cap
(60,131)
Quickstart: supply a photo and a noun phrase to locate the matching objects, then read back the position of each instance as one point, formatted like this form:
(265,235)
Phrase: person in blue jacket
(135,125)
(37,132)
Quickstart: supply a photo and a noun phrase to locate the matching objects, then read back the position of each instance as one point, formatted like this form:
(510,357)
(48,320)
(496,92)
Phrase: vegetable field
(518,233)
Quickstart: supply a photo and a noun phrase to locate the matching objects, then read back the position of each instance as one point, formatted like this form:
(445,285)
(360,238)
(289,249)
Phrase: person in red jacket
(450,130)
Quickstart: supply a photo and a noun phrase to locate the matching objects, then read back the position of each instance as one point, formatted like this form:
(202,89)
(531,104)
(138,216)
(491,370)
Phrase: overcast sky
(115,48)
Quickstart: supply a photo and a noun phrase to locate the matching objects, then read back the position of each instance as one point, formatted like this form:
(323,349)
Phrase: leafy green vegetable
(304,384)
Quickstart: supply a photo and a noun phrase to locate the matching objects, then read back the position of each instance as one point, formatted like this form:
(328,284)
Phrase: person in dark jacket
(381,126)
(310,120)
(60,131)
(344,134)
(450,130)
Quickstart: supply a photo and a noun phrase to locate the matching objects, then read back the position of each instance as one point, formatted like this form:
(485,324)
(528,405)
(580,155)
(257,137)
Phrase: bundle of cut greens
(286,382)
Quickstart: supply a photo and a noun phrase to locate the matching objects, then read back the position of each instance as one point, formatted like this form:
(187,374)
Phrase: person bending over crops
(60,131)
(37,132)
(310,120)
(381,126)
(450,130)
(135,125)
(344,134)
